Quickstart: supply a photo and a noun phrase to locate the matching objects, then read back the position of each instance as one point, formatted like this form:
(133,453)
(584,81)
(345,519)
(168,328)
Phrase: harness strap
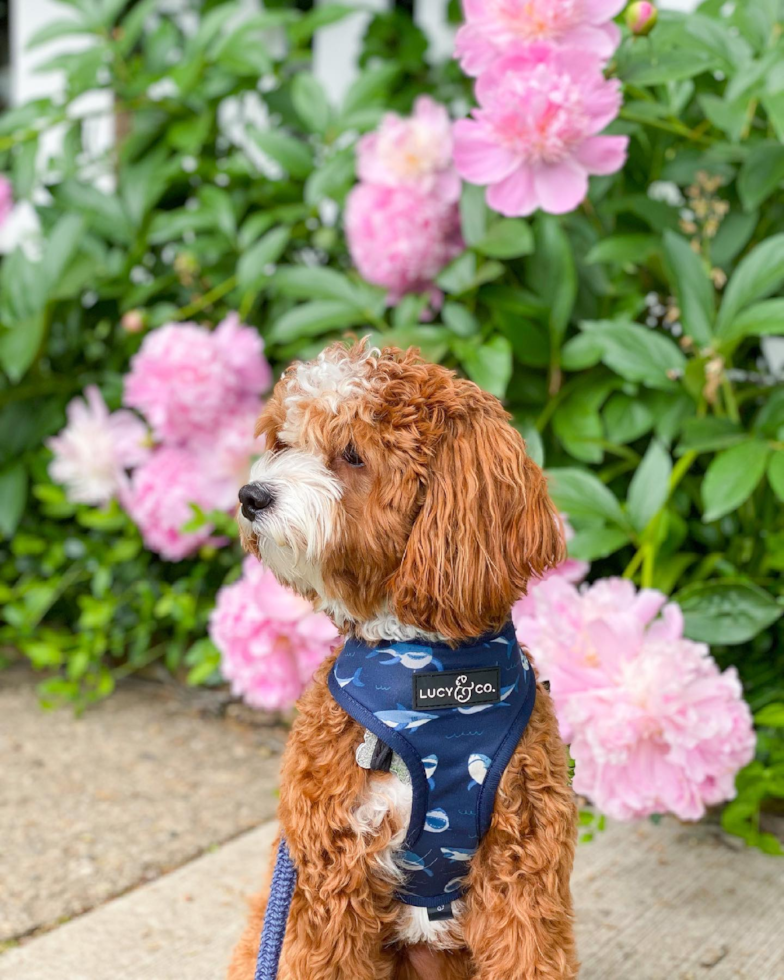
(284,878)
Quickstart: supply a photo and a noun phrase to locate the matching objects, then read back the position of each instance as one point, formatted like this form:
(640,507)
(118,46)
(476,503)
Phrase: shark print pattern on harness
(454,762)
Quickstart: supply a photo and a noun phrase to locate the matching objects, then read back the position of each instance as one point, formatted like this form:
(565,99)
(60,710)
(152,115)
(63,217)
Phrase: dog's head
(392,488)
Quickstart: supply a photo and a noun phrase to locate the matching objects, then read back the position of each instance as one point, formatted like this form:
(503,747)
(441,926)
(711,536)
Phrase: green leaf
(705,435)
(637,353)
(758,274)
(507,239)
(529,338)
(103,212)
(459,276)
(760,320)
(203,658)
(728,116)
(58,28)
(650,484)
(13,496)
(776,473)
(291,153)
(253,264)
(762,172)
(580,352)
(63,241)
(732,477)
(660,67)
(597,542)
(431,341)
(726,612)
(578,426)
(320,16)
(733,236)
(314,282)
(19,345)
(624,249)
(533,440)
(693,288)
(313,320)
(310,102)
(332,178)
(473,214)
(370,88)
(553,272)
(459,320)
(488,364)
(771,716)
(626,418)
(580,494)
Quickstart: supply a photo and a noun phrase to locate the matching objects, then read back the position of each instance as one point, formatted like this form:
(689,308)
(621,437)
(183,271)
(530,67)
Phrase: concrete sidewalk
(653,903)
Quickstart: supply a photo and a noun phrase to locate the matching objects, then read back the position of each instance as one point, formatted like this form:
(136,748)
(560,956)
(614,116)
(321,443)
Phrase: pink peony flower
(400,238)
(208,473)
(6,198)
(270,639)
(186,380)
(413,152)
(93,451)
(533,138)
(492,27)
(654,726)
(159,497)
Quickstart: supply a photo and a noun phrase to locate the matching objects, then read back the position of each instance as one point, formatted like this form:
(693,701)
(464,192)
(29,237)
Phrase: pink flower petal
(478,158)
(597,11)
(560,188)
(515,195)
(603,154)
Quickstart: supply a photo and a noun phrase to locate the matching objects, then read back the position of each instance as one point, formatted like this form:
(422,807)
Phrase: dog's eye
(352,457)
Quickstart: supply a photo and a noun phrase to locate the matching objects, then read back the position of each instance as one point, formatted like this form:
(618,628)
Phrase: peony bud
(641,17)
(133,321)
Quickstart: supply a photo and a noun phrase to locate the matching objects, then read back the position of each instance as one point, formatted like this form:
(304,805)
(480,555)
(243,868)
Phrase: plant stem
(645,554)
(216,293)
(672,126)
(634,564)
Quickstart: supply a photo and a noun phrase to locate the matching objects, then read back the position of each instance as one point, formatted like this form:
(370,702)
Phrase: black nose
(255,497)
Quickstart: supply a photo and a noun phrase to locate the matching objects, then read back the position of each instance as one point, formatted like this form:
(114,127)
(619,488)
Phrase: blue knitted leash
(284,878)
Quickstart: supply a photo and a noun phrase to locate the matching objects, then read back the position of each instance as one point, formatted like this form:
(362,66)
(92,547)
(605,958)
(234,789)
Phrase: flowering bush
(632,327)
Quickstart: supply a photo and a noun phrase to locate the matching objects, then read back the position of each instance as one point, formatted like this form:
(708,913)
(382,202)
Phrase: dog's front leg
(343,907)
(518,923)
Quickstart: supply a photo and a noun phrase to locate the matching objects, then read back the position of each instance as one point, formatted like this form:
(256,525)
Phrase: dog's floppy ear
(485,527)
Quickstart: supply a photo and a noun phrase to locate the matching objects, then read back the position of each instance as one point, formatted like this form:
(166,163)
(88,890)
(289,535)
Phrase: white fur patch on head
(293,532)
(333,378)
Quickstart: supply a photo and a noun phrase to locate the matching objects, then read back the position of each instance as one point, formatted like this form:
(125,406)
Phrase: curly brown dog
(398,499)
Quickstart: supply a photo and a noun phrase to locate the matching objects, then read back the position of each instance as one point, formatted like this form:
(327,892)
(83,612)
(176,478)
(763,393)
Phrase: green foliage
(625,338)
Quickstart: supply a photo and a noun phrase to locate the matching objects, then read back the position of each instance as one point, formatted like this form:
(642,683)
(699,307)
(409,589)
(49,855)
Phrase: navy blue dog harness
(454,715)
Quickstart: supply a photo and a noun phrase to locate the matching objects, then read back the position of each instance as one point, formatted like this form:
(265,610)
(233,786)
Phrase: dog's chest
(389,797)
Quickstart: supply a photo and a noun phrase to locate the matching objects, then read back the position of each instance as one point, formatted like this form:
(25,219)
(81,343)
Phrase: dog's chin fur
(434,536)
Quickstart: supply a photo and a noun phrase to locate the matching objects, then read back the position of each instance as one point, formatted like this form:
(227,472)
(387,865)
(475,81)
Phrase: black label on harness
(457,688)
(438,912)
